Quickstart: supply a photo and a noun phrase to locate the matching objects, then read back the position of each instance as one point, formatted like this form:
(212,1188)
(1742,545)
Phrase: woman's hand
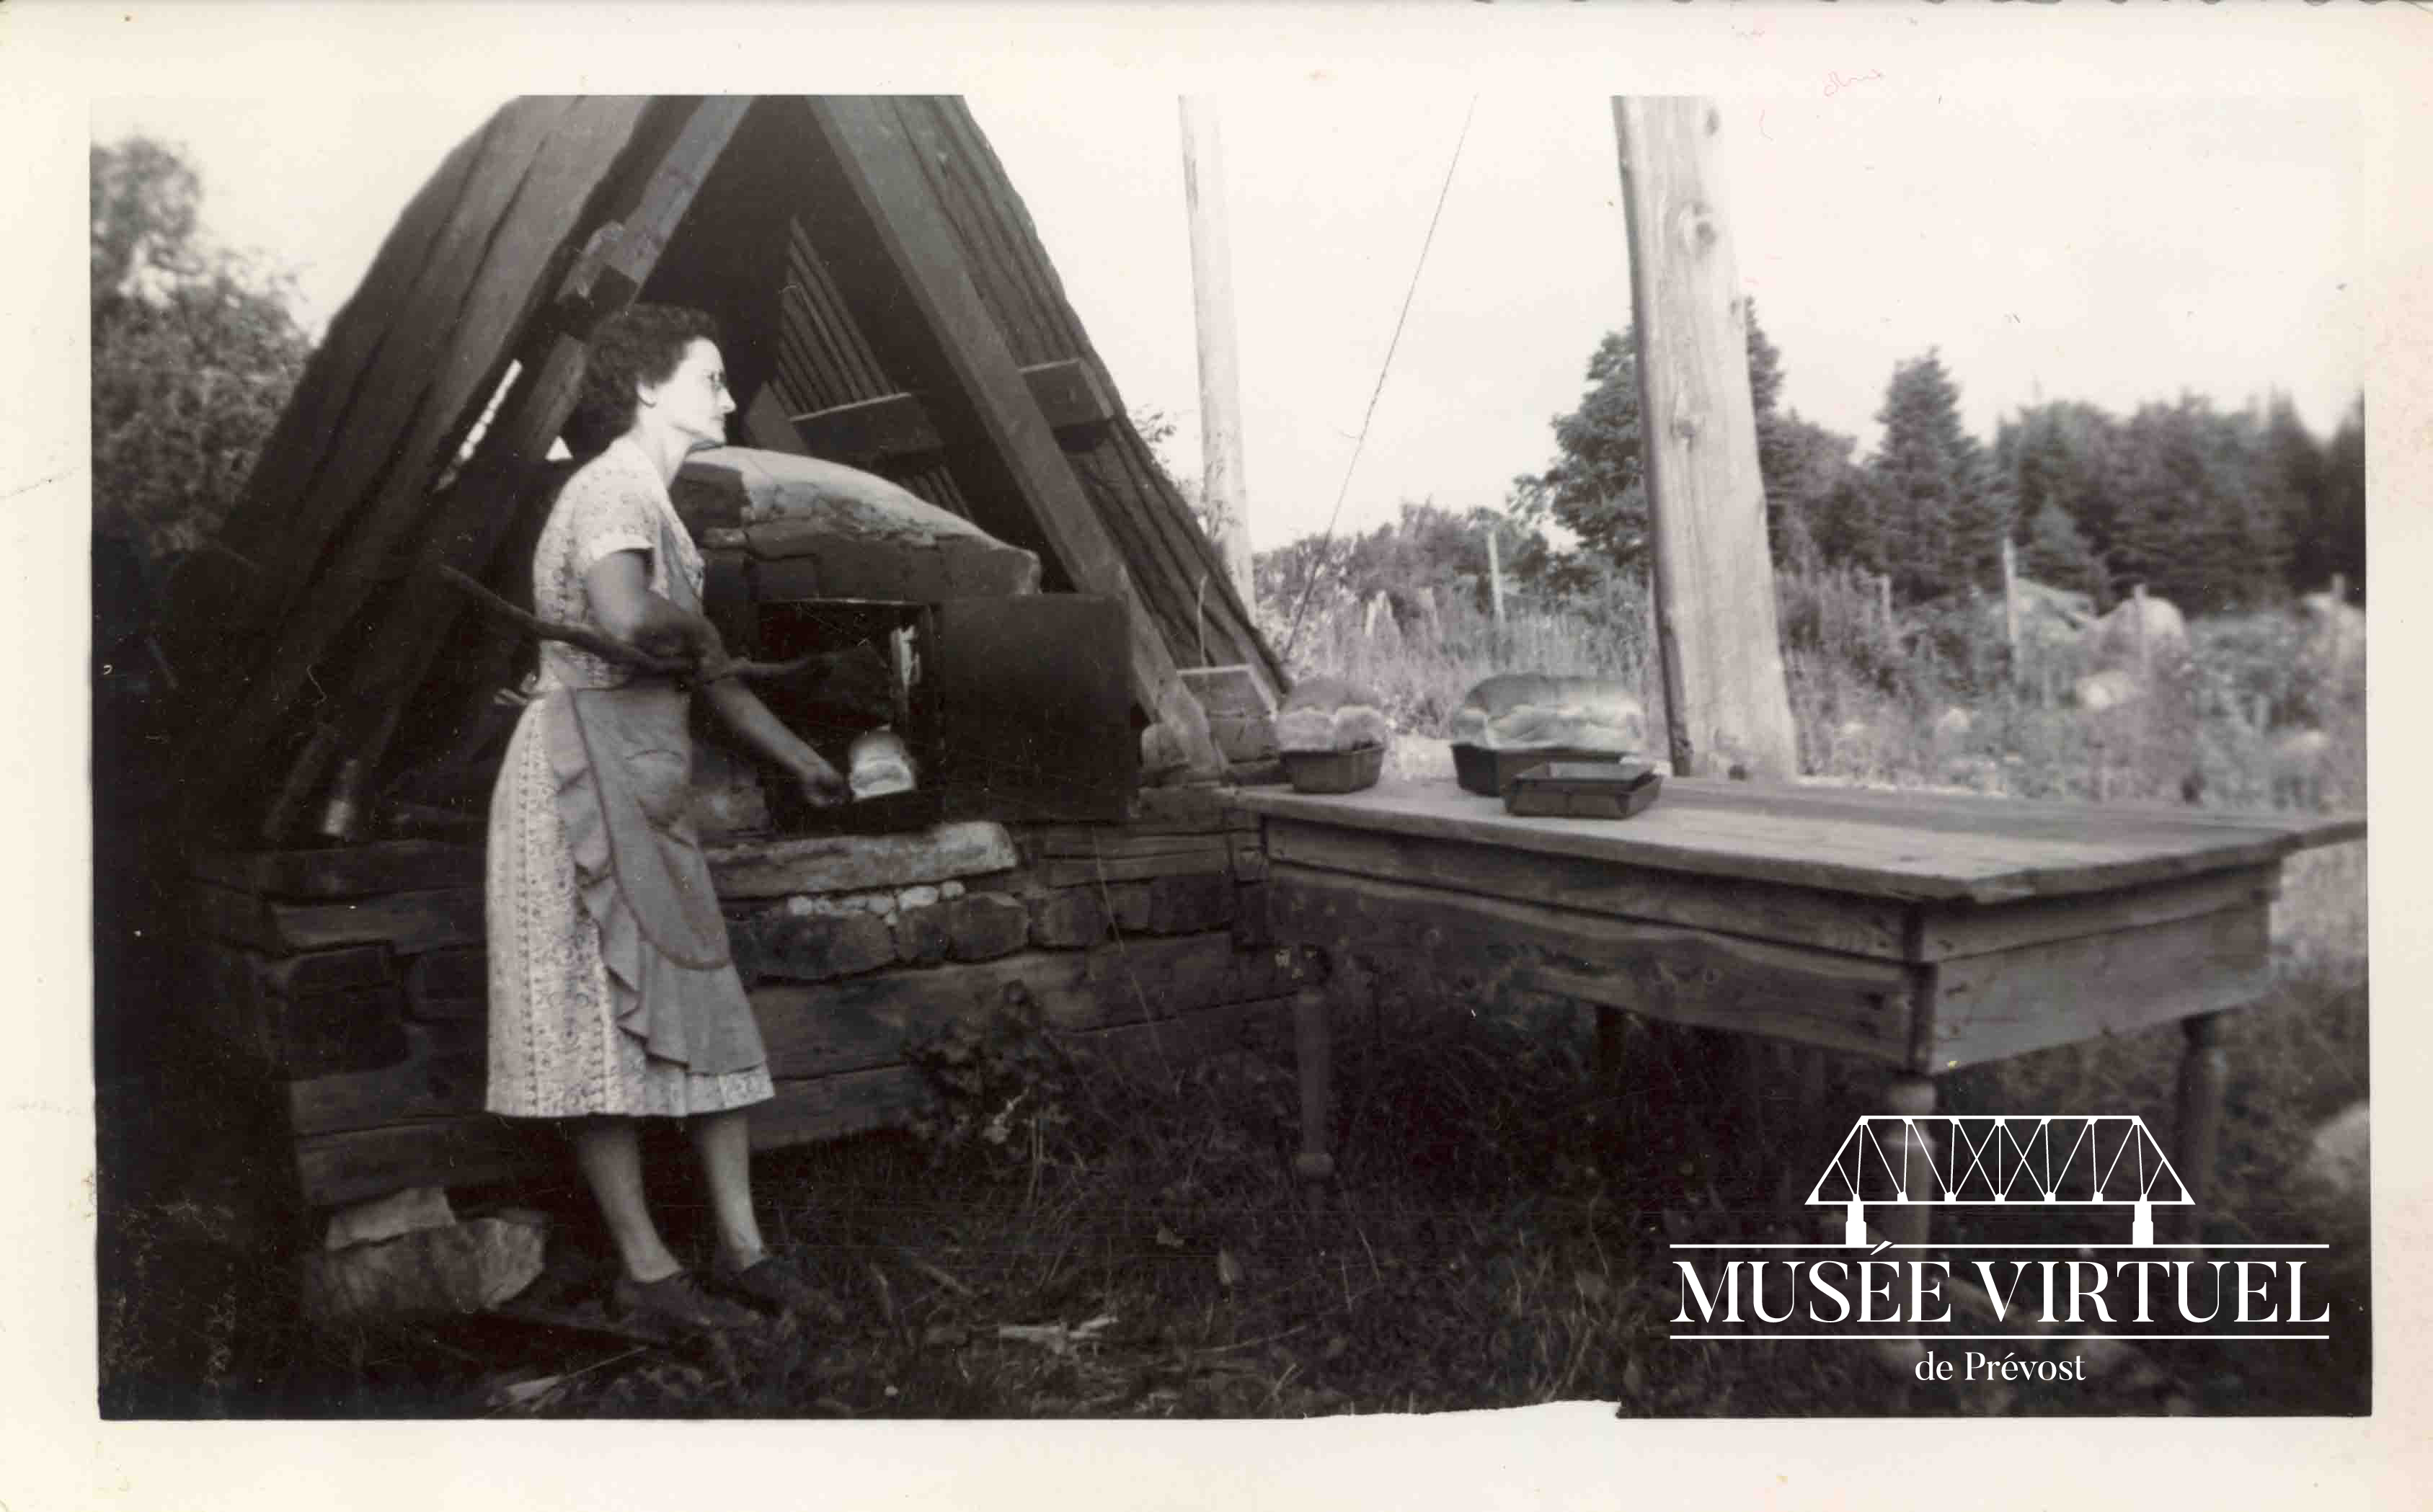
(821,784)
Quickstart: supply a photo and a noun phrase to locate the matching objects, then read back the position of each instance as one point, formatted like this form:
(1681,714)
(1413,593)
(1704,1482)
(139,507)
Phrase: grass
(1501,1234)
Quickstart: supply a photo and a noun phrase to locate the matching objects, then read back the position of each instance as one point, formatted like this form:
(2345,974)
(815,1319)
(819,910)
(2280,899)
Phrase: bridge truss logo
(2104,1160)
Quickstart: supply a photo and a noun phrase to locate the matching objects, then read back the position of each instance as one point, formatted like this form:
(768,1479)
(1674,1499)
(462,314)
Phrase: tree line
(2215,509)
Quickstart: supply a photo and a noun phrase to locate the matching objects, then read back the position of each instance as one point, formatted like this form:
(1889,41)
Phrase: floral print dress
(556,1047)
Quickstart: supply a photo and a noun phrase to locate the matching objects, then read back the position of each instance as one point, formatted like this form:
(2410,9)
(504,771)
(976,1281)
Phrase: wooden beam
(479,512)
(211,592)
(950,339)
(873,432)
(1212,304)
(1728,700)
(452,345)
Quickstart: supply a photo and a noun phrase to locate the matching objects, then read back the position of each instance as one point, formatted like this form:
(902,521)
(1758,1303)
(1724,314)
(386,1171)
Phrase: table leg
(1908,1149)
(2204,1071)
(1908,1223)
(1313,1052)
(1608,1050)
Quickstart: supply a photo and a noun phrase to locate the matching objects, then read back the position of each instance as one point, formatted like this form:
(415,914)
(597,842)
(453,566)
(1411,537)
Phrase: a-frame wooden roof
(870,262)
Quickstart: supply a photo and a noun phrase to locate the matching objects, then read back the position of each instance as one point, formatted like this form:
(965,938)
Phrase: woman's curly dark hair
(642,344)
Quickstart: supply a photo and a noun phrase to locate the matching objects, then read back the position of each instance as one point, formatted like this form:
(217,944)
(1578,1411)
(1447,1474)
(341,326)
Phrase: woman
(612,996)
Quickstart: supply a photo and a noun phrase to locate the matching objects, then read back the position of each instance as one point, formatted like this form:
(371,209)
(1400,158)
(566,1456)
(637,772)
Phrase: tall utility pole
(1211,288)
(1726,699)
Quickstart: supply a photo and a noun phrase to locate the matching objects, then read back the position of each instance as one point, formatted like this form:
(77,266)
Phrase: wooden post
(1910,1222)
(2204,1071)
(2137,614)
(1496,584)
(1722,653)
(1313,1055)
(2011,604)
(1212,289)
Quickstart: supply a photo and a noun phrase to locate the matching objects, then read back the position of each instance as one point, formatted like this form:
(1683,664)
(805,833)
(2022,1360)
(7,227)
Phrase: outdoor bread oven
(1008,704)
(1003,579)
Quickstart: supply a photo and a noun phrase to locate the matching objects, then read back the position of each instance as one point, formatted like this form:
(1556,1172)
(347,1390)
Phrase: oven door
(1034,707)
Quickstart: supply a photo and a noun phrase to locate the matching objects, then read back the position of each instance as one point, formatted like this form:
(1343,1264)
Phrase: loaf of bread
(1328,714)
(879,765)
(1520,711)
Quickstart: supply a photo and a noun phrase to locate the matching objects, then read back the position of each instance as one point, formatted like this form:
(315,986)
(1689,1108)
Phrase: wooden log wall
(356,980)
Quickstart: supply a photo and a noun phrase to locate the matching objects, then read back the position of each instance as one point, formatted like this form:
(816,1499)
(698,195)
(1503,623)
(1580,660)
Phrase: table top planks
(1897,844)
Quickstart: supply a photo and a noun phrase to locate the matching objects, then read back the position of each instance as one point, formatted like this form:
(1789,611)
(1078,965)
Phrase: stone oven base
(354,981)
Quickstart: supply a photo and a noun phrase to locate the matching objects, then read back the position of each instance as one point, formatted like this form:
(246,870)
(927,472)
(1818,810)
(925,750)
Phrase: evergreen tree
(2056,554)
(2340,518)
(1941,513)
(2056,460)
(1596,487)
(2198,520)
(2295,477)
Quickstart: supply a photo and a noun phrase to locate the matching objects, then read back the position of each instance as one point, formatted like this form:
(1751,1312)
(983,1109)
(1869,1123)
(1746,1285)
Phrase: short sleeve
(607,512)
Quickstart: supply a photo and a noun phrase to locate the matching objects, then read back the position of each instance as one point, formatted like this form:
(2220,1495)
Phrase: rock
(2150,628)
(464,1267)
(820,947)
(920,936)
(1954,723)
(2110,690)
(917,897)
(2339,1156)
(857,863)
(986,925)
(404,1212)
(1067,919)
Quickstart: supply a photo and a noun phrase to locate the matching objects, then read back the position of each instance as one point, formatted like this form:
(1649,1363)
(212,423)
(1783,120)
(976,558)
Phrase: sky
(2114,251)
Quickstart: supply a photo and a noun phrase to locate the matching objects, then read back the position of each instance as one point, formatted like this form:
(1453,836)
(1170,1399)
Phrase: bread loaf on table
(1328,714)
(1520,711)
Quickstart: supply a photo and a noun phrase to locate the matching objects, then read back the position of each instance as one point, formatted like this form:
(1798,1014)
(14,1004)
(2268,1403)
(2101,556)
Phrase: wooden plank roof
(316,660)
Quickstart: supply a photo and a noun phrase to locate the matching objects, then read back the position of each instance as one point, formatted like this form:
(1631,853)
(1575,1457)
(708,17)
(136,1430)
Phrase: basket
(1334,771)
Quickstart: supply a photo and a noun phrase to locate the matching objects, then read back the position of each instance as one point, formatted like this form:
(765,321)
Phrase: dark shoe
(771,1285)
(676,1304)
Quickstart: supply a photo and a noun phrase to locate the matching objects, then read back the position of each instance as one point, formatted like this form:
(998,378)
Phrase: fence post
(1495,576)
(2011,605)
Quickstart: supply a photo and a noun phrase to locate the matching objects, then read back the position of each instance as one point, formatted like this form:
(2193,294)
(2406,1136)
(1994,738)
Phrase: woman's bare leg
(723,1142)
(608,1152)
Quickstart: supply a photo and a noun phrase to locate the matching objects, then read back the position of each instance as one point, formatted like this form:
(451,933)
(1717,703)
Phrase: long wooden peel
(609,648)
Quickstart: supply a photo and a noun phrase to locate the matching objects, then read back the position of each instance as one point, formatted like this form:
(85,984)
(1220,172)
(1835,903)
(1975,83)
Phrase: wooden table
(1922,930)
